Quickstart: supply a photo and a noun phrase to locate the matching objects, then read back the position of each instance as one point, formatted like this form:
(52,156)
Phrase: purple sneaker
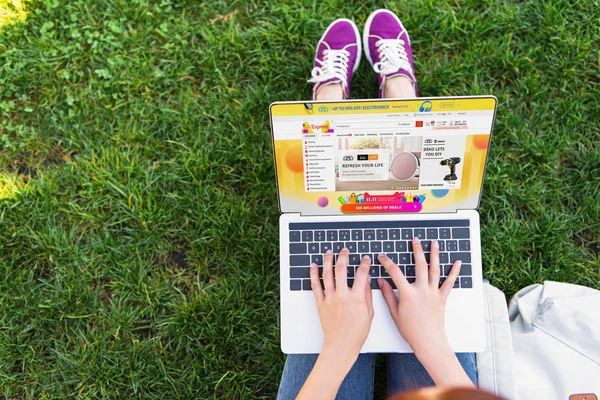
(337,56)
(387,47)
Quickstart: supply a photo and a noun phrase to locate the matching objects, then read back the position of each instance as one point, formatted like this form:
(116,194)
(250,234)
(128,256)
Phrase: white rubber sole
(368,26)
(358,43)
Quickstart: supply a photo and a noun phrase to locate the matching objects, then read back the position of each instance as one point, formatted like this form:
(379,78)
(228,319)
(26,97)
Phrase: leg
(358,384)
(405,371)
(387,47)
(336,59)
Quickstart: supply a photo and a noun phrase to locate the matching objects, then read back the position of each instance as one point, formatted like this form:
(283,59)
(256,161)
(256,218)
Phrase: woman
(339,371)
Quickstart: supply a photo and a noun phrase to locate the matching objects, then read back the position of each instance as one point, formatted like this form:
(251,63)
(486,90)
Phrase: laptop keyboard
(310,240)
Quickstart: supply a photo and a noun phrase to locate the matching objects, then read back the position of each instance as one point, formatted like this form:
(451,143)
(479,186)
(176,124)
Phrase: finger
(421,277)
(395,273)
(369,294)
(388,295)
(315,284)
(328,272)
(434,265)
(341,270)
(449,282)
(362,274)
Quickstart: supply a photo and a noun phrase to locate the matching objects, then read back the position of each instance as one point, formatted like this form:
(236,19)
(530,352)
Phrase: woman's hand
(419,313)
(346,315)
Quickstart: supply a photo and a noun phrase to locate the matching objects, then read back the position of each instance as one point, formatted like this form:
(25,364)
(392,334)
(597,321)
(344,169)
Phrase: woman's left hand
(346,313)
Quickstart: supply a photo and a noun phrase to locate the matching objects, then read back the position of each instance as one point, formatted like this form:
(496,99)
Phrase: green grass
(138,214)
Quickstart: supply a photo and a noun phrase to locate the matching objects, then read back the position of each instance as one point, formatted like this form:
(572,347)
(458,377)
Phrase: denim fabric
(358,384)
(404,371)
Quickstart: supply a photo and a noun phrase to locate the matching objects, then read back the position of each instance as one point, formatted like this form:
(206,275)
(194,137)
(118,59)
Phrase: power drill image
(451,162)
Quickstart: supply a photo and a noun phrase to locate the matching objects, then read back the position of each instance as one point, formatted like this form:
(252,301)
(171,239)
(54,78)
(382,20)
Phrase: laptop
(370,175)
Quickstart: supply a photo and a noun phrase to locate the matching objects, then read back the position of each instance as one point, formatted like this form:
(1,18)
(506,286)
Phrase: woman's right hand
(419,313)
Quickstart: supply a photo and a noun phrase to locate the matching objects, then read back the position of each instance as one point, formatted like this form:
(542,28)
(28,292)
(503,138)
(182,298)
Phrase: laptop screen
(375,156)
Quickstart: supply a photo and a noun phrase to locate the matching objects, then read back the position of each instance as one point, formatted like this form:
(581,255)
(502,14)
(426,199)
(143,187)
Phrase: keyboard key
(444,258)
(410,270)
(332,236)
(404,258)
(350,282)
(410,247)
(393,257)
(376,259)
(344,235)
(391,282)
(307,236)
(420,233)
(464,257)
(363,247)
(394,234)
(401,246)
(382,234)
(376,247)
(319,236)
(295,236)
(384,273)
(297,248)
(303,272)
(451,245)
(407,234)
(351,246)
(466,282)
(411,280)
(461,233)
(446,269)
(442,245)
(445,233)
(350,271)
(337,247)
(442,280)
(466,270)
(316,259)
(320,272)
(357,234)
(427,257)
(374,284)
(325,246)
(313,248)
(354,259)
(387,247)
(464,245)
(295,284)
(456,284)
(432,233)
(374,271)
(426,244)
(369,234)
(306,284)
(303,260)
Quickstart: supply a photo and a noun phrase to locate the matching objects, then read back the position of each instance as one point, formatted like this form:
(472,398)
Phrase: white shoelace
(333,65)
(393,57)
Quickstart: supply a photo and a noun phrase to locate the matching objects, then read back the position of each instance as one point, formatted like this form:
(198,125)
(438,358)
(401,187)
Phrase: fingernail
(328,251)
(345,248)
(434,243)
(379,282)
(313,265)
(381,255)
(417,239)
(366,258)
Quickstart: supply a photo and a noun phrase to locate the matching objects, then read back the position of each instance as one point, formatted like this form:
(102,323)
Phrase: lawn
(138,211)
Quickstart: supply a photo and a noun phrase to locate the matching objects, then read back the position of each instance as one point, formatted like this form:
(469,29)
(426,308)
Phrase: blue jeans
(404,372)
